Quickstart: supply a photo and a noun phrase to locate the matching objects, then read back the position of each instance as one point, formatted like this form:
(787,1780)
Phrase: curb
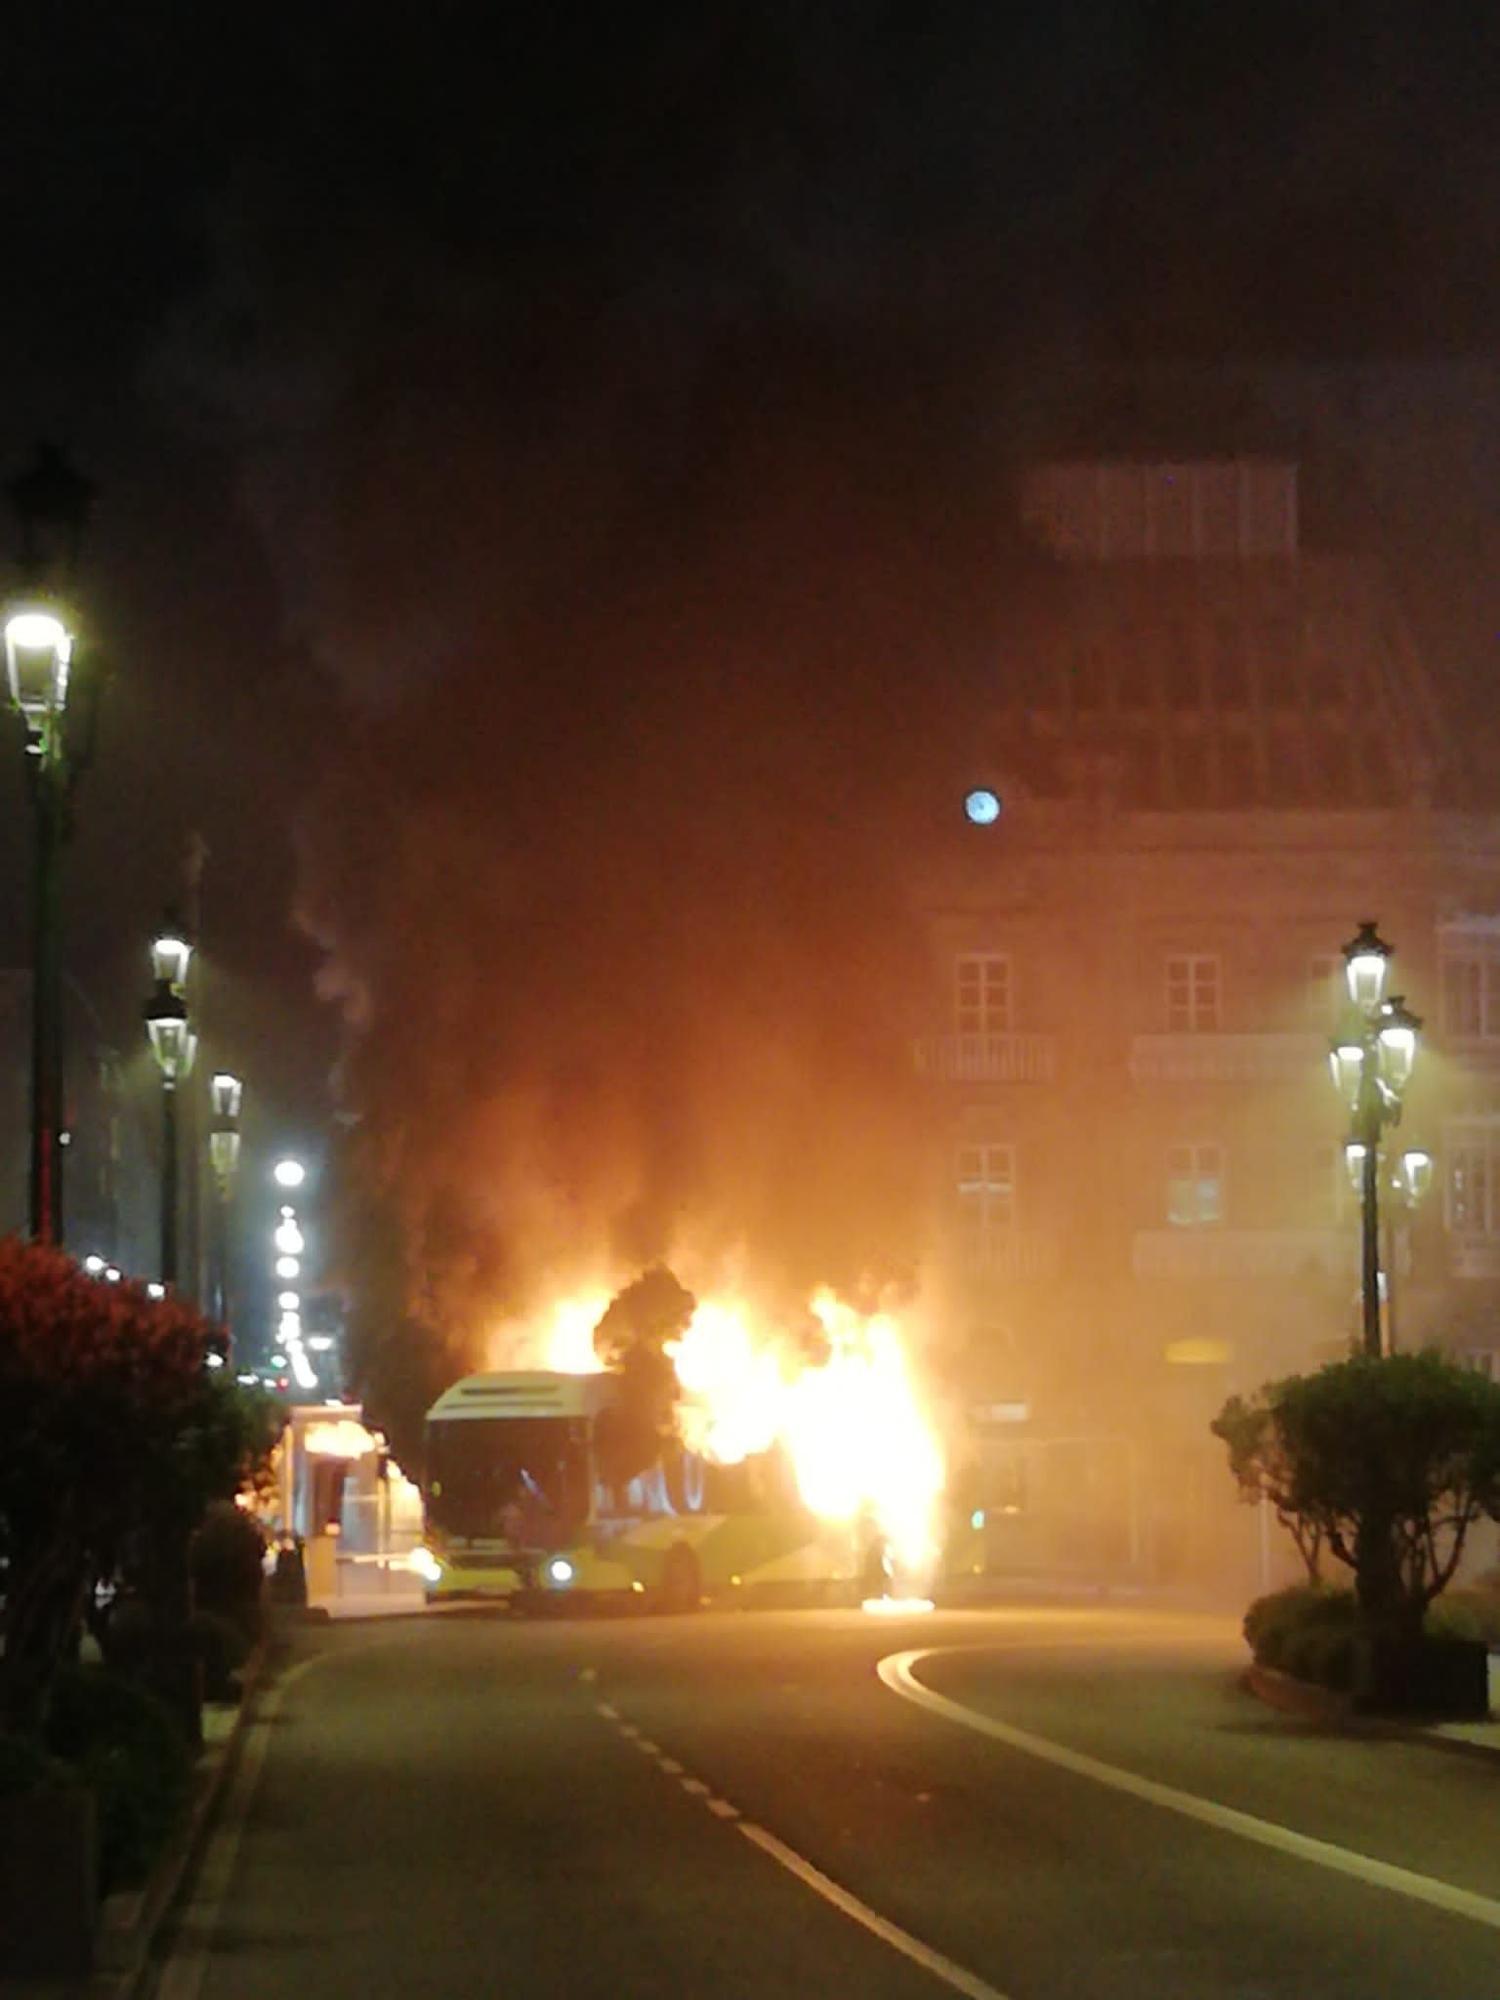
(1337,1711)
(131,1918)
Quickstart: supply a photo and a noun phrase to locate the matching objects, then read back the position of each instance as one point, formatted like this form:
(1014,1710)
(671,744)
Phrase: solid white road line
(897,1670)
(955,1976)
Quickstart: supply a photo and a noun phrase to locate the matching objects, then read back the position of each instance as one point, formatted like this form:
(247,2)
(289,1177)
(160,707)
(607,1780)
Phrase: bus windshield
(522,1480)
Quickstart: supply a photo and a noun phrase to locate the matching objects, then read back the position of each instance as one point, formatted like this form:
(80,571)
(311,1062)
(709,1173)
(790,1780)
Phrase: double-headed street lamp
(226,1093)
(174,1045)
(1372,1057)
(51,503)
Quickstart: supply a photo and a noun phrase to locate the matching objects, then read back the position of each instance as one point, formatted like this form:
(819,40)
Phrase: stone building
(1215,751)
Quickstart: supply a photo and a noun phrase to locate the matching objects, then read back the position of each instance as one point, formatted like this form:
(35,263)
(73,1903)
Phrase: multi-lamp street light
(174,1046)
(1371,1058)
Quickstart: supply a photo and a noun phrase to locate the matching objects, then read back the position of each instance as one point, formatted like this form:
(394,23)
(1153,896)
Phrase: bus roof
(531,1392)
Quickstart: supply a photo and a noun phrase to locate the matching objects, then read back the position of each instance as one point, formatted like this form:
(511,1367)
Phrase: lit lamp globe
(170,956)
(1397,1039)
(38,655)
(1367,960)
(173,1042)
(226,1094)
(289,1173)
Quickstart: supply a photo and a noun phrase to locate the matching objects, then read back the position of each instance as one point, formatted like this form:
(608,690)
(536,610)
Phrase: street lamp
(174,1045)
(51,503)
(1371,1058)
(226,1094)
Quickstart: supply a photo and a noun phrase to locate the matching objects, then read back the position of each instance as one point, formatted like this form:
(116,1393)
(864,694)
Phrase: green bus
(515,1509)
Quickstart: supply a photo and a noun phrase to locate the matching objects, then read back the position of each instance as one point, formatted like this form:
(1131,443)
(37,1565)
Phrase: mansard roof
(1210,680)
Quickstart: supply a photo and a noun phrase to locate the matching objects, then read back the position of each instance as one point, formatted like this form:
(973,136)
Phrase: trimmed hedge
(1311,1631)
(1307,1630)
(1466,1614)
(220,1648)
(26,1767)
(128,1750)
(227,1560)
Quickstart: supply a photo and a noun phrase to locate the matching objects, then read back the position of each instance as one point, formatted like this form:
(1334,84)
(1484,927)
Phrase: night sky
(531,441)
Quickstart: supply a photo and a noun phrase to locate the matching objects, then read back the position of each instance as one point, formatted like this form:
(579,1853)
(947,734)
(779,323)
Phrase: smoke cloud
(611,413)
(641,544)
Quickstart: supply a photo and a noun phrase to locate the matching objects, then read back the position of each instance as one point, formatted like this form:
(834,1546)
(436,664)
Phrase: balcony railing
(987,1058)
(1246,1253)
(1227,1058)
(1008,1253)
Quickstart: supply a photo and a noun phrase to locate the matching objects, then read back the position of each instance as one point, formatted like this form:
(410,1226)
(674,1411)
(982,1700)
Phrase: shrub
(220,1646)
(1274,1624)
(227,1558)
(25,1766)
(1320,1653)
(127,1749)
(1465,1614)
(126,1635)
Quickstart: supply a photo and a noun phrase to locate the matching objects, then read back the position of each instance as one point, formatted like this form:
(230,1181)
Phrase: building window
(1471,998)
(1192,995)
(982,994)
(1470,1202)
(1195,1186)
(1331,1199)
(986,1188)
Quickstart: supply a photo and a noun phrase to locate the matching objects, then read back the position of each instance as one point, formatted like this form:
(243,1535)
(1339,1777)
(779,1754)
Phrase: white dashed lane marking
(956,1977)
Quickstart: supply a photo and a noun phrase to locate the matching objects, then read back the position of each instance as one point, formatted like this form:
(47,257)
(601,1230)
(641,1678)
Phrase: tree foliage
(631,1340)
(111,1428)
(1384,1462)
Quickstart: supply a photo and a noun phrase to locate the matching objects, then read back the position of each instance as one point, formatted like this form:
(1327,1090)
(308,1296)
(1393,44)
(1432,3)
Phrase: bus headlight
(560,1572)
(426,1565)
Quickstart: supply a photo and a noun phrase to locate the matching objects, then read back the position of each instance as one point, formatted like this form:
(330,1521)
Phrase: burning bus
(519,1506)
(706,1453)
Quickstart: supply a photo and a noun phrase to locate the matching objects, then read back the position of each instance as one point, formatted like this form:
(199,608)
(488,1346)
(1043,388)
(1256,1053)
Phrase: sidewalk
(369,1587)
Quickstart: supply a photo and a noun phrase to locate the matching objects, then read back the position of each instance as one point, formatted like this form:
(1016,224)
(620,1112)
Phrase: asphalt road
(739,1805)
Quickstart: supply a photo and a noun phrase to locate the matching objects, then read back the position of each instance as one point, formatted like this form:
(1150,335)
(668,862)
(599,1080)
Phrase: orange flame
(861,1444)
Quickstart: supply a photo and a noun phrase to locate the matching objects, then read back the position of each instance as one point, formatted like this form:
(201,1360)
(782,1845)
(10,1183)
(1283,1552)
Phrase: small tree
(1258,1460)
(1387,1462)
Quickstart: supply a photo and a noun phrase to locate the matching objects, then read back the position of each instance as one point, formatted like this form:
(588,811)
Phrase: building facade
(1216,752)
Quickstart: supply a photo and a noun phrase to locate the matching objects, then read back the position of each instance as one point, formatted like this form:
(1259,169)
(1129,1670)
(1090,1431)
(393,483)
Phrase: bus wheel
(681,1580)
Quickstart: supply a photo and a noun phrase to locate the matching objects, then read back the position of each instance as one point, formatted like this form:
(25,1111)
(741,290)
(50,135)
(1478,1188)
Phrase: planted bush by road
(125,1746)
(1307,1631)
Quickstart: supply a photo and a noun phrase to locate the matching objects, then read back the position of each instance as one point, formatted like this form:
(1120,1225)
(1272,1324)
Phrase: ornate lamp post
(174,1045)
(1372,1057)
(226,1094)
(51,503)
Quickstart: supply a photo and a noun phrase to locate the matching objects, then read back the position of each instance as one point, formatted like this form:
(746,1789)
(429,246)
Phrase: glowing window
(1195,1186)
(1470,1203)
(1471,998)
(1192,995)
(986,1186)
(982,994)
